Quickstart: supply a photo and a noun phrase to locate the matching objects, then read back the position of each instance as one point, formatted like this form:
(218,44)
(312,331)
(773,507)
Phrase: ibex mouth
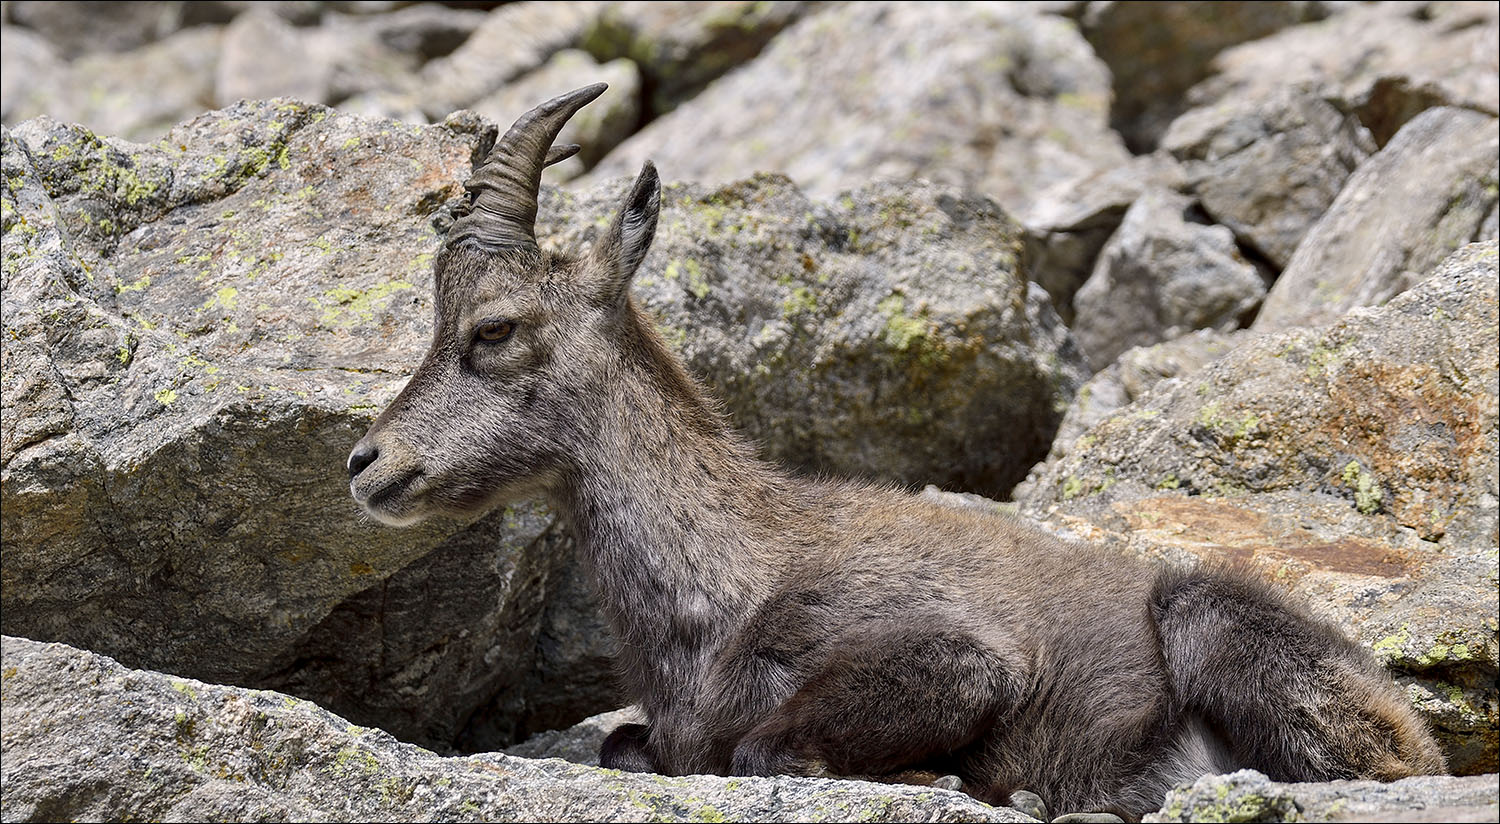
(396,502)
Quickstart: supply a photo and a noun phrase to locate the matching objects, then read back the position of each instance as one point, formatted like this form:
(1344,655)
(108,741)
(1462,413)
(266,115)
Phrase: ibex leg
(1295,698)
(893,696)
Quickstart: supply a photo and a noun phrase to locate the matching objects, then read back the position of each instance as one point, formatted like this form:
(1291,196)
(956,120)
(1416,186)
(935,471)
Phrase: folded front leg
(893,695)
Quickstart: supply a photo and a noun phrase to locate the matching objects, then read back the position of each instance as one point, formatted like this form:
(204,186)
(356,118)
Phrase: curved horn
(503,189)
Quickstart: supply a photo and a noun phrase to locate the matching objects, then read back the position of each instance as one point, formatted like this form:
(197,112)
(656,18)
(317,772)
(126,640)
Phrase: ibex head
(522,339)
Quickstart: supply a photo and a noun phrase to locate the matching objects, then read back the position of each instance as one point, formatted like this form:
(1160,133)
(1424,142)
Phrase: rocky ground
(1196,280)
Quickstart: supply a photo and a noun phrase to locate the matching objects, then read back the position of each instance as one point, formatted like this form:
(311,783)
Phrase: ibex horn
(502,192)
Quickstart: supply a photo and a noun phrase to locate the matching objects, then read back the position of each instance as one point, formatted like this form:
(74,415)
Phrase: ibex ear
(619,252)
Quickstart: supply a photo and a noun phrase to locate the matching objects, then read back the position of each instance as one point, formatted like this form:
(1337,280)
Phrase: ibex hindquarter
(771,624)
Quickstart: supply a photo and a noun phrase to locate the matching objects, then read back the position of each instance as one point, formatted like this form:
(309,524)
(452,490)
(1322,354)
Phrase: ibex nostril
(363,455)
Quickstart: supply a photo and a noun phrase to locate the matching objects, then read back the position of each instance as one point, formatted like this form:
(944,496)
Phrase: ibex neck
(672,511)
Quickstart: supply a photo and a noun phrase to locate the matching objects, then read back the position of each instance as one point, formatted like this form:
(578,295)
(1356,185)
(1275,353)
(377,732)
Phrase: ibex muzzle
(771,624)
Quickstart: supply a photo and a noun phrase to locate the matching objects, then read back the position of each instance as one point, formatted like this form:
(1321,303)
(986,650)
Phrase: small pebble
(1029,803)
(948,782)
(1088,818)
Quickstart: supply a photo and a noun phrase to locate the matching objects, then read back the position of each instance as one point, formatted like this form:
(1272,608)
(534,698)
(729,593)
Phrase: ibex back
(772,624)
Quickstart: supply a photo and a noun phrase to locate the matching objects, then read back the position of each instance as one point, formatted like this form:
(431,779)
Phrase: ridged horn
(503,190)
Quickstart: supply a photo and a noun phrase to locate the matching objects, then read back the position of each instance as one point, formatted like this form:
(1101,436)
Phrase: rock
(599,127)
(1135,372)
(84,28)
(85,738)
(680,46)
(198,330)
(265,56)
(1070,223)
(573,673)
(998,99)
(1161,276)
(1403,394)
(424,32)
(1268,169)
(1355,462)
(29,66)
(184,394)
(514,39)
(1157,51)
(1249,796)
(443,653)
(1386,61)
(579,743)
(1428,192)
(817,324)
(138,94)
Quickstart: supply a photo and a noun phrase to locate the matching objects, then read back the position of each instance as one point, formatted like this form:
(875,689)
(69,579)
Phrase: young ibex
(773,624)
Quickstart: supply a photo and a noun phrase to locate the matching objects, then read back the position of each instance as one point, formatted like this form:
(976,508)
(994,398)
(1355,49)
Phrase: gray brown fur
(776,624)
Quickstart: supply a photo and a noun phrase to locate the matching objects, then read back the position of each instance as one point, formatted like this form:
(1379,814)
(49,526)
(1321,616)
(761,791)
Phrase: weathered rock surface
(813,319)
(1000,99)
(1135,372)
(1355,461)
(1161,276)
(85,738)
(1071,222)
(579,743)
(1268,169)
(1431,190)
(82,28)
(138,94)
(1386,61)
(265,56)
(1156,51)
(196,332)
(1249,796)
(681,46)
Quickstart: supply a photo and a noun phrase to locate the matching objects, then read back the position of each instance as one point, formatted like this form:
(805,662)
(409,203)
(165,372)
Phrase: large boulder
(1356,462)
(1432,189)
(180,395)
(87,739)
(996,98)
(1133,374)
(198,330)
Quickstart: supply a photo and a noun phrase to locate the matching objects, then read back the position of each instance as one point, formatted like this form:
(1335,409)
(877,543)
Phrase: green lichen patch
(1367,491)
(344,306)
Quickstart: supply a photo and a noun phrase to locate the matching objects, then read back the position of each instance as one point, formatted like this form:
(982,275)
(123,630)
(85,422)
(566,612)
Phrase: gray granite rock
(1249,796)
(1162,275)
(1428,192)
(1387,62)
(1268,169)
(1157,51)
(87,739)
(995,98)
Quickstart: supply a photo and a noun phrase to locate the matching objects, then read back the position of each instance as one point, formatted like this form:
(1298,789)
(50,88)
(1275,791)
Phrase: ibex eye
(494,331)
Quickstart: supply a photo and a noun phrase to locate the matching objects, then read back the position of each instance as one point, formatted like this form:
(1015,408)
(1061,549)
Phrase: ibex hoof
(1029,803)
(948,782)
